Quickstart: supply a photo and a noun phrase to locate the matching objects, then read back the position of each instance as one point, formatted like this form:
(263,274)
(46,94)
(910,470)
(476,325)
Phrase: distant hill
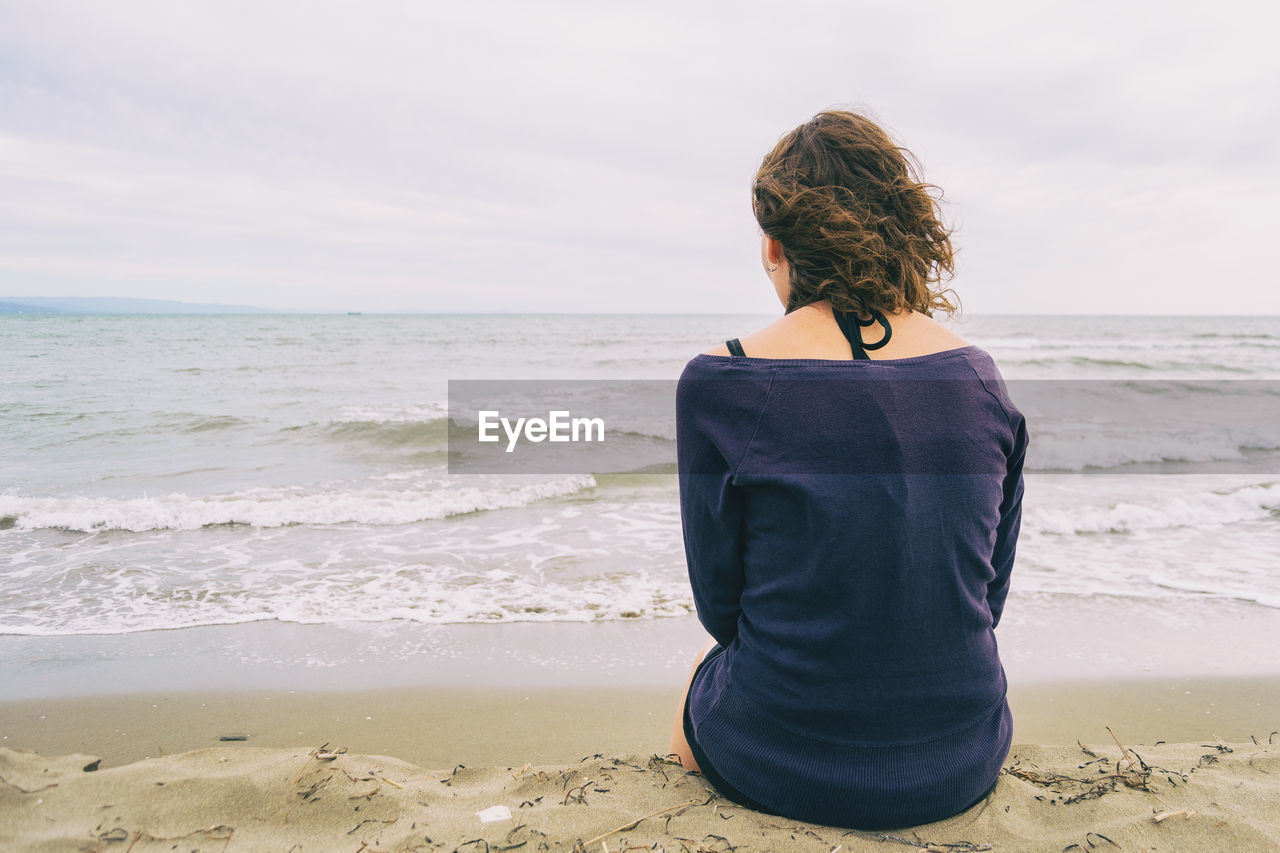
(117,305)
(21,308)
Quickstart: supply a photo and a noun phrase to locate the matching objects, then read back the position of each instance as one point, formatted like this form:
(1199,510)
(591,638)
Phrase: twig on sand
(933,845)
(636,822)
(1123,751)
(321,753)
(221,832)
(24,790)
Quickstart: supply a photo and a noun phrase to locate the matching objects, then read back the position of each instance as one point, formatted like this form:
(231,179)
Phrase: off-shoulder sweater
(850,529)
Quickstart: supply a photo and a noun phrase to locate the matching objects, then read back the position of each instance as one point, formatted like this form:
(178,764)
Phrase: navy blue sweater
(850,529)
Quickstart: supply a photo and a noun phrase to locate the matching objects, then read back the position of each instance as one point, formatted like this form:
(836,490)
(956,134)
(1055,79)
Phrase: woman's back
(850,550)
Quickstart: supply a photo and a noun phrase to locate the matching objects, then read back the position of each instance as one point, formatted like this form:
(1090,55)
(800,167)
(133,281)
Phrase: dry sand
(1174,797)
(246,796)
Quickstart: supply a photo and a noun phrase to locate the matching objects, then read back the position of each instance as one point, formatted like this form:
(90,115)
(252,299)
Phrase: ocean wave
(279,507)
(414,425)
(1205,509)
(392,427)
(1216,588)
(208,423)
(163,424)
(1093,363)
(1059,449)
(409,412)
(389,434)
(124,603)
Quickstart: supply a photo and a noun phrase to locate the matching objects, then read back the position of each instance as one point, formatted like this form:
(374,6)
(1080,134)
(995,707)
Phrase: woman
(851,491)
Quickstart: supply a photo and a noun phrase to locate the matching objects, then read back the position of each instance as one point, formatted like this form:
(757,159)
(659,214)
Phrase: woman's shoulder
(769,333)
(806,333)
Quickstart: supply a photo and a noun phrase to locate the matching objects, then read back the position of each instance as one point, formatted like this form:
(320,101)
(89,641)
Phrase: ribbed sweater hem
(845,785)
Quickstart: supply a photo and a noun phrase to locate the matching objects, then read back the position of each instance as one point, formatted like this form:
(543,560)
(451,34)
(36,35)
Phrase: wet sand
(441,727)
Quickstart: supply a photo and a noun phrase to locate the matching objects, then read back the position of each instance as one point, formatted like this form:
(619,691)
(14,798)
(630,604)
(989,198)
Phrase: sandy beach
(587,708)
(579,766)
(1188,796)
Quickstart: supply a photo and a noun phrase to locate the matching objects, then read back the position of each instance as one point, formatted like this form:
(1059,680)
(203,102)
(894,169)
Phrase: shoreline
(1043,639)
(1196,694)
(446,726)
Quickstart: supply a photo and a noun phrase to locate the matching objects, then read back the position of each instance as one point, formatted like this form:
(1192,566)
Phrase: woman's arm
(711,514)
(1009,526)
(715,419)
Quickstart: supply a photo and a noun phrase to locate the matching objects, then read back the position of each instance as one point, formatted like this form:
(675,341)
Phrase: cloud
(575,156)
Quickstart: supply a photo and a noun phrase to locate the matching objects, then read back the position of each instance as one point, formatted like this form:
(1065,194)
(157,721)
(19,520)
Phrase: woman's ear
(772,251)
(774,267)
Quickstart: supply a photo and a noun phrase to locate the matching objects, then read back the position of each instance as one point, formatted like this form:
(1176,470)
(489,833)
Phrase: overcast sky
(597,156)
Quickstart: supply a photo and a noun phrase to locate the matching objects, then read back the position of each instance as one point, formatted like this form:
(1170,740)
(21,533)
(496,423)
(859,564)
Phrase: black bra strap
(877,317)
(851,326)
(735,348)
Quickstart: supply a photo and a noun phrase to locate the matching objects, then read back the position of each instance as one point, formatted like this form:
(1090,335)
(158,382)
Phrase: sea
(171,472)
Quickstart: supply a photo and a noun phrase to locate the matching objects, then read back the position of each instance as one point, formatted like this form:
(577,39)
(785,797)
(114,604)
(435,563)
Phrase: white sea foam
(125,602)
(1200,510)
(406,413)
(1218,588)
(280,507)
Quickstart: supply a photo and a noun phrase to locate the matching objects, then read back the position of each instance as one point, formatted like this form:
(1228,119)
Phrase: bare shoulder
(754,338)
(930,333)
(762,341)
(807,332)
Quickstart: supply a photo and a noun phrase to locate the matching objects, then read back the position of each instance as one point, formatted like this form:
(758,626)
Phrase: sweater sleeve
(714,422)
(1009,526)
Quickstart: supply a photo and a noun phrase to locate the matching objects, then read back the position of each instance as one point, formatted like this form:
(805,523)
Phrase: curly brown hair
(857,226)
